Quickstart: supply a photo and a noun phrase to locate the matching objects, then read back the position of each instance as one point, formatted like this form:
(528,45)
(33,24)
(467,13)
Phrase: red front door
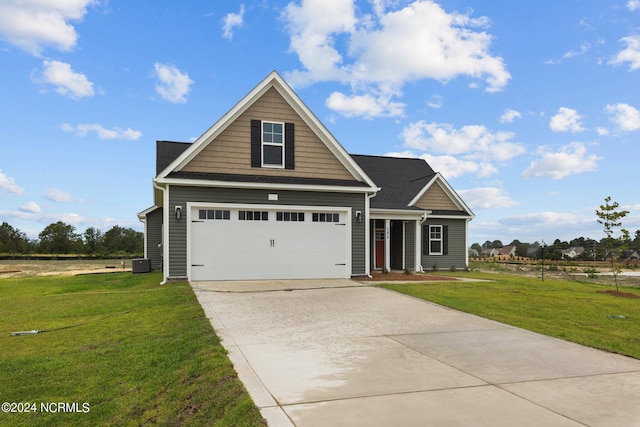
(379,242)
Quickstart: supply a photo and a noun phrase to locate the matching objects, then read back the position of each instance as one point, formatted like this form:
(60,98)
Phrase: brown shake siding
(230,152)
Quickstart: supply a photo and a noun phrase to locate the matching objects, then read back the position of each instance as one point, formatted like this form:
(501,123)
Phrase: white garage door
(262,243)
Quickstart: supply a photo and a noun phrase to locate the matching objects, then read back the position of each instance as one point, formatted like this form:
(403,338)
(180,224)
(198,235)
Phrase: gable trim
(273,80)
(449,191)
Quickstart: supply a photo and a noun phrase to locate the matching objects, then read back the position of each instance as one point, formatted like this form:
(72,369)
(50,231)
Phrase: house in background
(268,193)
(572,252)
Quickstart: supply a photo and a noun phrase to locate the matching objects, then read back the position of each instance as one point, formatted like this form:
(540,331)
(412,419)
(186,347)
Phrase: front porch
(395,243)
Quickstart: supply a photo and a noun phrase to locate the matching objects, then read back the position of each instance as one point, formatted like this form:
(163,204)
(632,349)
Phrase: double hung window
(273,144)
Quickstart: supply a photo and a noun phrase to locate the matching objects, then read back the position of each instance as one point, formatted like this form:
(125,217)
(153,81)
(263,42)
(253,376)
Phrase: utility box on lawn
(141,265)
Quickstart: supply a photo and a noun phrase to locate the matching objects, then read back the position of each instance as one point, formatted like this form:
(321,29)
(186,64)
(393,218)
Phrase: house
(572,252)
(507,251)
(268,193)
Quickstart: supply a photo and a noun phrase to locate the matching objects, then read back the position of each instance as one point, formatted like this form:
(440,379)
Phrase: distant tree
(92,240)
(12,240)
(611,218)
(477,247)
(59,238)
(119,240)
(496,244)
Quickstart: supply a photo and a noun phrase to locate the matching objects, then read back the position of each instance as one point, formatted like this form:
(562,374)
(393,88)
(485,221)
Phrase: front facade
(268,193)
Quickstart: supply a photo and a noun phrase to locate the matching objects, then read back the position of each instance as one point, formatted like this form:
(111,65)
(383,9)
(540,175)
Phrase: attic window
(273,144)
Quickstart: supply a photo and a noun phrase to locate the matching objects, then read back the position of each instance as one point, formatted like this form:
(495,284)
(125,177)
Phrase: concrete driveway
(340,353)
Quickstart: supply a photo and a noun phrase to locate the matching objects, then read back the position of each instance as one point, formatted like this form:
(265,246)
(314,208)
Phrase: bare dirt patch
(620,294)
(67,267)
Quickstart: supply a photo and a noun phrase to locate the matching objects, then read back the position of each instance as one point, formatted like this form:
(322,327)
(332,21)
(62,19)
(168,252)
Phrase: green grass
(137,353)
(564,309)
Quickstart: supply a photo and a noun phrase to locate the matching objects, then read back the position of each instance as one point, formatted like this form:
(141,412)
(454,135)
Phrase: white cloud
(435,102)
(366,105)
(66,81)
(571,159)
(625,116)
(631,54)
(33,24)
(633,5)
(584,48)
(487,198)
(59,196)
(173,85)
(9,185)
(567,120)
(31,207)
(602,131)
(83,129)
(475,141)
(385,50)
(231,21)
(509,116)
(450,166)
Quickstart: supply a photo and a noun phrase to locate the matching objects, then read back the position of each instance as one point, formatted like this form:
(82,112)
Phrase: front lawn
(115,349)
(565,309)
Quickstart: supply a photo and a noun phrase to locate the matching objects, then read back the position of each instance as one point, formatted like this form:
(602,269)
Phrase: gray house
(268,193)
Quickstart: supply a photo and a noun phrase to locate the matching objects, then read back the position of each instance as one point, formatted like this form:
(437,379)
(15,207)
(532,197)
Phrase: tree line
(60,238)
(593,249)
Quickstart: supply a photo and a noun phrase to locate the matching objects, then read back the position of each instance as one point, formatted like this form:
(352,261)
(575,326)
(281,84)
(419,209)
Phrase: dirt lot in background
(25,268)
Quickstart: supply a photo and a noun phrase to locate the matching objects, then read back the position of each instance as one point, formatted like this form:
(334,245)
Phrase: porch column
(387,244)
(418,263)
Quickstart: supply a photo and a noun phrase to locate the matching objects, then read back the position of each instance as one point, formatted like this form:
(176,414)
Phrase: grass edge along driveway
(569,310)
(116,349)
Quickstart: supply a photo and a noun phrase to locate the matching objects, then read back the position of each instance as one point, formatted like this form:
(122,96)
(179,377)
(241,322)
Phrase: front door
(379,248)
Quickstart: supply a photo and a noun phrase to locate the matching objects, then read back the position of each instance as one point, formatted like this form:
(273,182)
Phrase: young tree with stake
(610,218)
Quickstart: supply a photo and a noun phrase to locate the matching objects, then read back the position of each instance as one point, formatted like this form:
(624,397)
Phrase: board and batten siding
(230,152)
(410,245)
(457,246)
(181,195)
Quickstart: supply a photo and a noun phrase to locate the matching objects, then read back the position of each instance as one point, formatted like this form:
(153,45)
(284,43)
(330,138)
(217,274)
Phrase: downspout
(419,266)
(165,233)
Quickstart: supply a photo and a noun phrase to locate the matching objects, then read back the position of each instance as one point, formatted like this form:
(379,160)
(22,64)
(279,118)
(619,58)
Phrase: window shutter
(256,143)
(289,146)
(425,240)
(445,240)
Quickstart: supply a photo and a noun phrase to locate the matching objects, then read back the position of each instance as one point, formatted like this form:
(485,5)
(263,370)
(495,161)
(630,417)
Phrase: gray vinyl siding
(180,195)
(457,246)
(154,238)
(410,245)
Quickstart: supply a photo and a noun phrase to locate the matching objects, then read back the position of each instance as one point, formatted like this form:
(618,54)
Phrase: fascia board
(264,186)
(396,214)
(451,216)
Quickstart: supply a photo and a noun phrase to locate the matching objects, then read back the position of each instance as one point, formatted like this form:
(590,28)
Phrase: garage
(256,242)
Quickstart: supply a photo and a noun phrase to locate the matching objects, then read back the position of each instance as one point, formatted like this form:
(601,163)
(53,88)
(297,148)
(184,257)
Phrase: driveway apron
(340,353)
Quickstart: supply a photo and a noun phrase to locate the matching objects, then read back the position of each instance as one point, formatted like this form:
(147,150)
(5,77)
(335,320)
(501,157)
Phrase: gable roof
(272,81)
(403,181)
(400,179)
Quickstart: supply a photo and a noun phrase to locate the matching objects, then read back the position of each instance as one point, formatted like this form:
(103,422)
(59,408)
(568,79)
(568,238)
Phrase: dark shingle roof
(401,179)
(167,152)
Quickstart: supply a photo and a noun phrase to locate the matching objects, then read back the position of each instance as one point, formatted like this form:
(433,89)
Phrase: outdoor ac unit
(141,265)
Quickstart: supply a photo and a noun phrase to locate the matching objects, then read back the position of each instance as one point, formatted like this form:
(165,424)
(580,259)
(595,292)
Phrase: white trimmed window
(273,144)
(435,239)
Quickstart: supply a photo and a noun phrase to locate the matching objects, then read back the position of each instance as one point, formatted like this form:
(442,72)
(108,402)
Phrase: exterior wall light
(178,210)
(358,217)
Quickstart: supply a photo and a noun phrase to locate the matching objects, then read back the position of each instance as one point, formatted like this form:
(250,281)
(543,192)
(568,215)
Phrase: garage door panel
(235,249)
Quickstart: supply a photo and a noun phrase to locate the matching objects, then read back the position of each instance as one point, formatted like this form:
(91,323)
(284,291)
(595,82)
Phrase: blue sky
(530,109)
